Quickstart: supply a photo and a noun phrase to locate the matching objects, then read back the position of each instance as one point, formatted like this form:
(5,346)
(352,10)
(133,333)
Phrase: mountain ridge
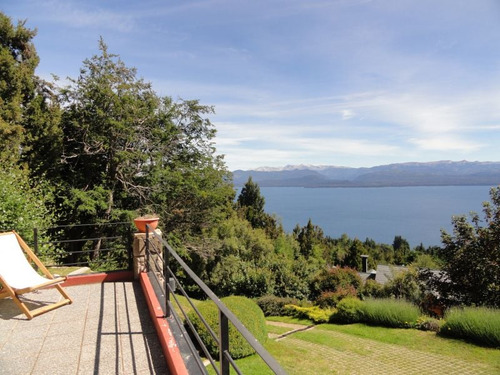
(436,173)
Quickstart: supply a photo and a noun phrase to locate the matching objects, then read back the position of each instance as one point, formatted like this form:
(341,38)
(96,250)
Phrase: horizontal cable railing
(99,246)
(158,257)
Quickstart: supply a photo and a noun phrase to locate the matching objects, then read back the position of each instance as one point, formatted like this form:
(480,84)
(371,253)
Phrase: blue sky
(339,82)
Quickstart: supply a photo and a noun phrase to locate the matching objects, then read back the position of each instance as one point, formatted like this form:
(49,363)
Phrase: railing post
(35,240)
(147,248)
(166,280)
(224,343)
(130,244)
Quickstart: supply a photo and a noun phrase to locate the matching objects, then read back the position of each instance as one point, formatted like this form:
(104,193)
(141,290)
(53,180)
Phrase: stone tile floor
(106,330)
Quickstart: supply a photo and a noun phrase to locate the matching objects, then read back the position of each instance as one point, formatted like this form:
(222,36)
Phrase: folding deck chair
(17,276)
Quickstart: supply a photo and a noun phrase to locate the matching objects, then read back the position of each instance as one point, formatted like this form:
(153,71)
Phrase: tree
(401,250)
(309,237)
(106,121)
(251,206)
(471,256)
(253,203)
(126,149)
(18,60)
(28,109)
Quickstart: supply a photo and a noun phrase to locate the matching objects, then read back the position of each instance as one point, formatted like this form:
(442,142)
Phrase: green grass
(420,340)
(478,324)
(323,336)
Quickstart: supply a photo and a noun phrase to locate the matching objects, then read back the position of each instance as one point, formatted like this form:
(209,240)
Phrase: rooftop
(107,330)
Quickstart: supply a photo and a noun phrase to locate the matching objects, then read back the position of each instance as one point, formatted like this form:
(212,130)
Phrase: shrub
(372,289)
(426,323)
(404,284)
(331,299)
(390,313)
(477,324)
(335,278)
(314,313)
(275,306)
(348,311)
(246,310)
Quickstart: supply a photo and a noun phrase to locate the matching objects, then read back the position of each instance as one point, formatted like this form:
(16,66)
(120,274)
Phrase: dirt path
(293,329)
(286,325)
(346,354)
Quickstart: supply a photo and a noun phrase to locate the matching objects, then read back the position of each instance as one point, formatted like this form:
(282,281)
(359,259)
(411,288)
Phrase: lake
(415,213)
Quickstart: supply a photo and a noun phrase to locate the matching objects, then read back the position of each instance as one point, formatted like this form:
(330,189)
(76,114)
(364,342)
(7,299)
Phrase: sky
(353,83)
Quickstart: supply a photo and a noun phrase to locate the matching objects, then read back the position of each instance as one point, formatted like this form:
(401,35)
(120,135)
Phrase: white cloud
(78,15)
(444,143)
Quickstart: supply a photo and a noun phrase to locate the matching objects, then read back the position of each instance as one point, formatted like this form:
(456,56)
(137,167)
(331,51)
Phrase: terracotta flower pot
(140,223)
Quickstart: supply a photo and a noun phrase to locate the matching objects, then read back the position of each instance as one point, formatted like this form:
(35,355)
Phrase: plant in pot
(150,219)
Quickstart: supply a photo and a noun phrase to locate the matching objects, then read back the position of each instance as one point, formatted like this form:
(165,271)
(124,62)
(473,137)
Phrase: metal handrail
(225,315)
(110,236)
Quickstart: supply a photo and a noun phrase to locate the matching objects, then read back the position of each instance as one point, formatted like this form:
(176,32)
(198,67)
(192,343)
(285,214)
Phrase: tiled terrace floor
(107,330)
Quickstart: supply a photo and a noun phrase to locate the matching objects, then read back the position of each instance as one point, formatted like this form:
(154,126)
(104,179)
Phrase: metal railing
(158,264)
(99,246)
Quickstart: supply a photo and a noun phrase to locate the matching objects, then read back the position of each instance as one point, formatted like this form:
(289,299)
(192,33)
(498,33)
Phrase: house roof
(386,273)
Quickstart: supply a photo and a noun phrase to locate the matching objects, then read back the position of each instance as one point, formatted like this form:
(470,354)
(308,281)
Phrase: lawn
(358,348)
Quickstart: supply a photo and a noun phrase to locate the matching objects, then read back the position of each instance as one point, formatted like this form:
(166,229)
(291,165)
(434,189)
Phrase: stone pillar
(139,253)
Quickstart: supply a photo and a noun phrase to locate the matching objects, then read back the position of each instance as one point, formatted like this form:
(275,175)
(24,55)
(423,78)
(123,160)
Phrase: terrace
(120,322)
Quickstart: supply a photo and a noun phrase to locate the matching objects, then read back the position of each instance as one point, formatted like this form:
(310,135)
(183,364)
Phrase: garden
(375,335)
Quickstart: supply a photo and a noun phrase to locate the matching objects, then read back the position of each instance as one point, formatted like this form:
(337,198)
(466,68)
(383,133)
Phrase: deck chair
(17,276)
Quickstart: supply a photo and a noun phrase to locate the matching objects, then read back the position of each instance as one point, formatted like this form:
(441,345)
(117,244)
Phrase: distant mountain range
(439,173)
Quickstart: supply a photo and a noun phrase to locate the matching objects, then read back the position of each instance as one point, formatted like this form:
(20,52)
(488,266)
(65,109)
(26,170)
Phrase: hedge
(249,314)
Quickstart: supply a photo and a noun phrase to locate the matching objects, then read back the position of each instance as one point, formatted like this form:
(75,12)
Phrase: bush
(314,313)
(334,278)
(478,324)
(390,313)
(349,310)
(331,299)
(372,289)
(426,323)
(275,306)
(245,310)
(404,284)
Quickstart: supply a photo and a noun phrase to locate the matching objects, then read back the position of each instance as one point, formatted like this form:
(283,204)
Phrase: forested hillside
(106,147)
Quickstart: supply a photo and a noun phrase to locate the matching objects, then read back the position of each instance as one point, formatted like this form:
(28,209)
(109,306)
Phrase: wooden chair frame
(8,291)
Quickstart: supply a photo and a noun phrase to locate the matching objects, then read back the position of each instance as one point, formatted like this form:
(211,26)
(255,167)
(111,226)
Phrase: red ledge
(169,345)
(95,278)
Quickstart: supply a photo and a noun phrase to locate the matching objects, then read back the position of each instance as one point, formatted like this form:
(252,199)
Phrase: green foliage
(25,203)
(372,288)
(426,323)
(332,279)
(249,314)
(254,202)
(478,324)
(404,285)
(232,275)
(292,277)
(471,258)
(331,299)
(314,313)
(29,113)
(18,61)
(251,207)
(390,313)
(349,310)
(310,239)
(275,306)
(401,250)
